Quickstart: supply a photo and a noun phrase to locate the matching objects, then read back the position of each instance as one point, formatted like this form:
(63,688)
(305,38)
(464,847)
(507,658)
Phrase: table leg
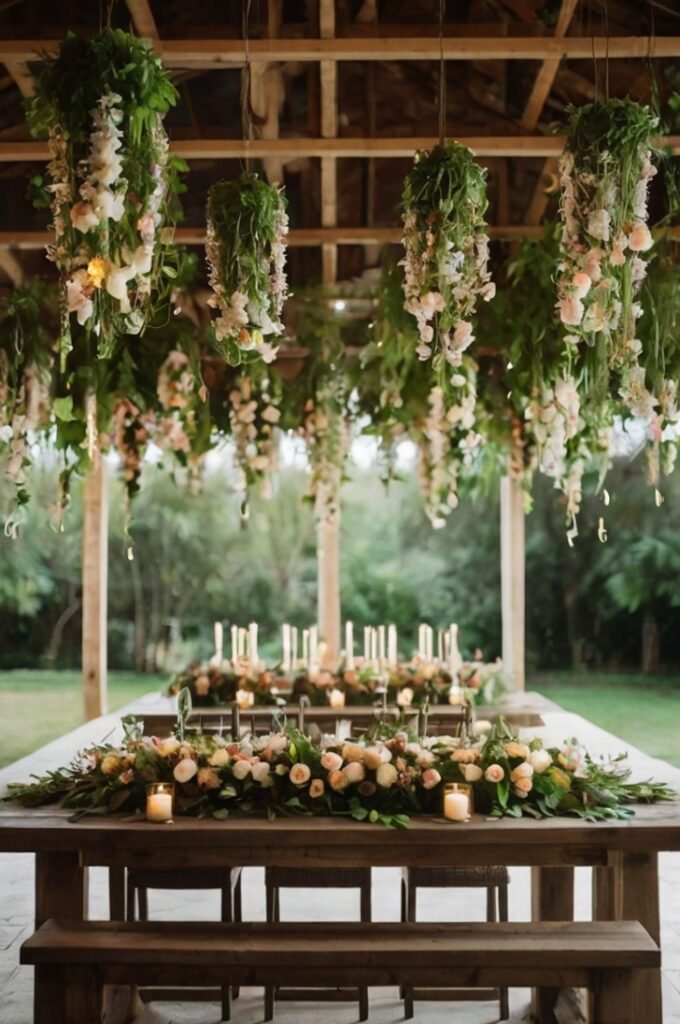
(640,902)
(60,891)
(552,899)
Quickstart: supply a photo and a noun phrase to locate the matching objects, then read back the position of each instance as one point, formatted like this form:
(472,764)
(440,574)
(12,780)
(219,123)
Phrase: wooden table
(623,854)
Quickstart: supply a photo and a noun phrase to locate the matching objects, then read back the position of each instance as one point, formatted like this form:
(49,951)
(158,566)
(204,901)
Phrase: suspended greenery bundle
(26,357)
(247,226)
(604,174)
(446,260)
(101,103)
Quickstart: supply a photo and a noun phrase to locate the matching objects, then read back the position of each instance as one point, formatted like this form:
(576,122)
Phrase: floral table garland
(381,780)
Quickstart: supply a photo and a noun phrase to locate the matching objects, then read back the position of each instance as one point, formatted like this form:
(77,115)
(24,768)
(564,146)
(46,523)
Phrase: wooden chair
(306,878)
(495,880)
(227,880)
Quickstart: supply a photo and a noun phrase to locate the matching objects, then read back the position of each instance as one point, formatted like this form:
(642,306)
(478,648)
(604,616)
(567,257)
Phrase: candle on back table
(392,653)
(234,644)
(440,646)
(294,646)
(455,659)
(314,645)
(285,645)
(349,646)
(252,647)
(381,645)
(305,647)
(367,643)
(219,642)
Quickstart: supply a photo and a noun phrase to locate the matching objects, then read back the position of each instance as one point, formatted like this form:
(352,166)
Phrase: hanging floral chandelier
(605,172)
(247,226)
(446,249)
(101,103)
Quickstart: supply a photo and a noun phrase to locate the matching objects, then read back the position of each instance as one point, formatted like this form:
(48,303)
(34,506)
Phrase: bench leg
(48,1005)
(83,995)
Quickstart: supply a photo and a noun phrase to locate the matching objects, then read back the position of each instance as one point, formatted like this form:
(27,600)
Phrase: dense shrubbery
(597,605)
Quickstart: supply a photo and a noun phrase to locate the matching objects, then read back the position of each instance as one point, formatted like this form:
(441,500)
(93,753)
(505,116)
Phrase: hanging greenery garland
(247,226)
(446,249)
(254,412)
(111,182)
(605,172)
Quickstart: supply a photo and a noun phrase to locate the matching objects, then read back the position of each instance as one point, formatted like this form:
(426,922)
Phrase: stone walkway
(16,909)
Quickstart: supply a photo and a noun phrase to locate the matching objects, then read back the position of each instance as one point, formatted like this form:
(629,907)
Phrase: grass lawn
(37,706)
(644,710)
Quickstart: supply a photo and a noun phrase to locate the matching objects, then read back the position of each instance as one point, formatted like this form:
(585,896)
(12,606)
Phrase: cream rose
(241,769)
(570,758)
(471,772)
(372,757)
(466,755)
(281,769)
(300,774)
(481,727)
(540,760)
(261,772)
(494,773)
(522,771)
(352,752)
(185,770)
(386,775)
(316,788)
(331,761)
(355,771)
(169,747)
(220,758)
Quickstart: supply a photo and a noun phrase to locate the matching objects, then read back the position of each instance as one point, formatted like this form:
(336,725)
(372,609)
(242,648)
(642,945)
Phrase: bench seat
(77,958)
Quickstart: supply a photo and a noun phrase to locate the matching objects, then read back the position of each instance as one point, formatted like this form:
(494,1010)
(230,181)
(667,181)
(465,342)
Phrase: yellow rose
(97,270)
(513,749)
(559,777)
(220,758)
(111,764)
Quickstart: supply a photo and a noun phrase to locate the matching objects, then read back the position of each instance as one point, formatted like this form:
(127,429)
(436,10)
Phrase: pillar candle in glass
(457,802)
(336,698)
(245,699)
(349,646)
(159,796)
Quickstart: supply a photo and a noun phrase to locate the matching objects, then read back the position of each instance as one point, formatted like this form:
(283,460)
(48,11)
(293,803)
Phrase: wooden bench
(75,959)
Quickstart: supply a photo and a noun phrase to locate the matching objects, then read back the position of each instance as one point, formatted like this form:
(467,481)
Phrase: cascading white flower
(253,417)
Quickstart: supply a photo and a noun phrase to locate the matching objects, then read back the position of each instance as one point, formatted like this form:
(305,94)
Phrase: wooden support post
(552,899)
(328,563)
(95,574)
(513,579)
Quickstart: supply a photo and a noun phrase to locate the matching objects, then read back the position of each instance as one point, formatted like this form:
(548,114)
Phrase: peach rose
(300,774)
(466,755)
(372,758)
(494,773)
(316,788)
(386,775)
(331,761)
(430,778)
(514,749)
(185,770)
(202,685)
(523,786)
(355,772)
(338,781)
(471,772)
(522,771)
(208,778)
(352,752)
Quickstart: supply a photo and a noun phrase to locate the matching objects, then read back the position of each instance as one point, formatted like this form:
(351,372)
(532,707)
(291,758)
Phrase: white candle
(219,642)
(314,645)
(294,645)
(421,642)
(336,698)
(392,653)
(349,646)
(456,695)
(429,636)
(374,646)
(159,806)
(455,660)
(234,644)
(367,643)
(381,645)
(305,648)
(456,806)
(245,699)
(285,644)
(440,646)
(252,647)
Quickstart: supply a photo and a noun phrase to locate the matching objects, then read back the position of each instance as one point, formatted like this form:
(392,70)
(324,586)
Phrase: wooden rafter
(329,130)
(216,53)
(142,18)
(534,108)
(237,149)
(23,77)
(301,237)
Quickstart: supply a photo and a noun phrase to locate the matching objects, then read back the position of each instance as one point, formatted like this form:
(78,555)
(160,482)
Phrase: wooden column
(513,579)
(328,564)
(95,575)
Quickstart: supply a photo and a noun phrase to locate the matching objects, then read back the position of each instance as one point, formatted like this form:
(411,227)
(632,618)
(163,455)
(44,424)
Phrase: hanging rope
(246,120)
(442,76)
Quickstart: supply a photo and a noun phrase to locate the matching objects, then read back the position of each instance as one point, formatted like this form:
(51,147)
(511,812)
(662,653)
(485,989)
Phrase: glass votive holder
(457,801)
(159,798)
(245,699)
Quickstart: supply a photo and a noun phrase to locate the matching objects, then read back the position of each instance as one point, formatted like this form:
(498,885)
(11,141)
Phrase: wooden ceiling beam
(142,18)
(20,241)
(23,77)
(328,71)
(215,53)
(291,148)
